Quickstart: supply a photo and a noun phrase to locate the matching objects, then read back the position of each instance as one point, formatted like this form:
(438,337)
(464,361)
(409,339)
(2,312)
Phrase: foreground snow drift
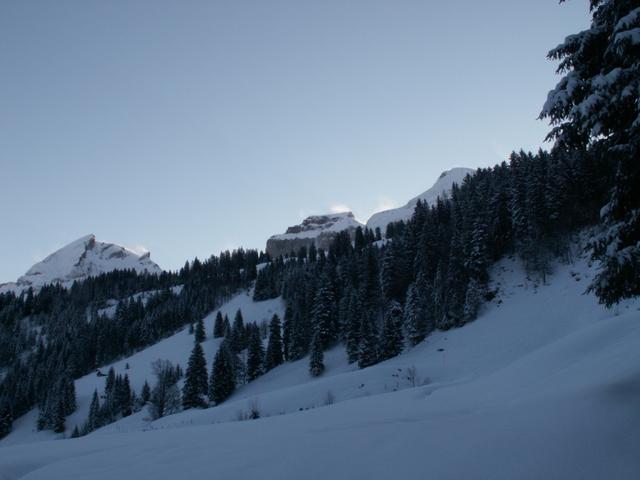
(545,384)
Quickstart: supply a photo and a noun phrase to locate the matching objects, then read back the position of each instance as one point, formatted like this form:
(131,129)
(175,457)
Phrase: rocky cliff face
(86,257)
(318,230)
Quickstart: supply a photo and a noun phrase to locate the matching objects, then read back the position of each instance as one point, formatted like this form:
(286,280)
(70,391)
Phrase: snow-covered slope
(319,230)
(83,258)
(544,384)
(176,349)
(442,186)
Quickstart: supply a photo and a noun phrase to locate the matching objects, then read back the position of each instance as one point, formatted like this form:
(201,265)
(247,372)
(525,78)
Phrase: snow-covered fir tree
(222,382)
(595,105)
(391,337)
(6,418)
(196,383)
(368,347)
(274,355)
(316,358)
(415,320)
(199,332)
(255,354)
(218,326)
(353,328)
(238,339)
(324,312)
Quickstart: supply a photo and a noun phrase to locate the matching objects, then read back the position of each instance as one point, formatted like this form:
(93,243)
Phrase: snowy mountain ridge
(320,230)
(442,187)
(79,260)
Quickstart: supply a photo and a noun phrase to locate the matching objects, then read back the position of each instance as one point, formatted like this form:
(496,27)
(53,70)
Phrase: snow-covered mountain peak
(80,259)
(441,187)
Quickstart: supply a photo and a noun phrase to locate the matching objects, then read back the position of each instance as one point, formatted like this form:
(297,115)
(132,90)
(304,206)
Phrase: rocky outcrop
(318,230)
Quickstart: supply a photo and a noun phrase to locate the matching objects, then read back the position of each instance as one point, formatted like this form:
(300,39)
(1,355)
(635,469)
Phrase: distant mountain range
(87,257)
(320,230)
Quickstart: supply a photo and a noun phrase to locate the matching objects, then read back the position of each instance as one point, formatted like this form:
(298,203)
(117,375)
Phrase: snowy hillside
(175,349)
(109,310)
(83,258)
(442,186)
(544,384)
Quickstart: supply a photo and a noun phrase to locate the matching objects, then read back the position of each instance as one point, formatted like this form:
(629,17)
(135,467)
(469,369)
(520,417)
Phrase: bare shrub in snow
(329,398)
(252,413)
(412,376)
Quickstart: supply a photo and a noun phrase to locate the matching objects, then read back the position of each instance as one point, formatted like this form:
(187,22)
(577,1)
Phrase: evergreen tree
(145,393)
(391,339)
(353,329)
(199,332)
(255,358)
(316,360)
(359,241)
(126,397)
(222,382)
(238,334)
(196,382)
(415,316)
(451,314)
(122,397)
(287,329)
(227,327)
(68,393)
(274,355)
(473,300)
(313,253)
(368,348)
(218,326)
(265,286)
(370,292)
(44,416)
(391,272)
(300,337)
(94,420)
(134,401)
(592,106)
(6,418)
(324,313)
(58,421)
(75,433)
(110,383)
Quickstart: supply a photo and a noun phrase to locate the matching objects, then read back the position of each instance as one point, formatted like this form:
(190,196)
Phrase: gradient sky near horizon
(189,127)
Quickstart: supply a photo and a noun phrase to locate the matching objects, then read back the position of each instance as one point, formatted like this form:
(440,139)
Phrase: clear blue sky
(188,127)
